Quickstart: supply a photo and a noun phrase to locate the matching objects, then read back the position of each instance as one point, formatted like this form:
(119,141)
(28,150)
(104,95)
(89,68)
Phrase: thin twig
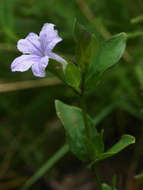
(13,86)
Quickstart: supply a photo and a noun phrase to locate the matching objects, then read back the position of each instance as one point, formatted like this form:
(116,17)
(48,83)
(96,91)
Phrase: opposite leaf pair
(84,148)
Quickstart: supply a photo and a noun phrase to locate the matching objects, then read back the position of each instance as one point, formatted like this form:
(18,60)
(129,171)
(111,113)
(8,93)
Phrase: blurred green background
(29,129)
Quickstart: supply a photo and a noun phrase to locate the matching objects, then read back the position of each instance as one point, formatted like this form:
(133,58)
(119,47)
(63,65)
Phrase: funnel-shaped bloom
(37,50)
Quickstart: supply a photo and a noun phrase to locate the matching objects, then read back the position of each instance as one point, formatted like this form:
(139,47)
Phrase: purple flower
(37,50)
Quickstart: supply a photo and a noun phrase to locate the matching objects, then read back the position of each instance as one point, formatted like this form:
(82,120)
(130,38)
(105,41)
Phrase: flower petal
(57,58)
(38,69)
(49,37)
(24,62)
(31,44)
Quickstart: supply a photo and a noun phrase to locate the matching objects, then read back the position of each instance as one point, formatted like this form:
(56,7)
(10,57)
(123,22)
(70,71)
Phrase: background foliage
(30,131)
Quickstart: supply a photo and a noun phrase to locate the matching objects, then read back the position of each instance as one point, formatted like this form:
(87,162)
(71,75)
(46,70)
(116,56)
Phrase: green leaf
(109,53)
(72,120)
(86,46)
(73,76)
(125,141)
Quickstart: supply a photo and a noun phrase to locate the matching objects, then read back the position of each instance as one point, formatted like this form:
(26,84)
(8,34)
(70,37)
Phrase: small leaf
(73,76)
(109,53)
(125,141)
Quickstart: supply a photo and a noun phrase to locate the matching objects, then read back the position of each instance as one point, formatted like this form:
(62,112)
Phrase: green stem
(83,105)
(84,113)
(50,163)
(98,181)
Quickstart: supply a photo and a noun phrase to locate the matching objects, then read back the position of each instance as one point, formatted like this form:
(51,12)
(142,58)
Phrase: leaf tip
(123,35)
(131,138)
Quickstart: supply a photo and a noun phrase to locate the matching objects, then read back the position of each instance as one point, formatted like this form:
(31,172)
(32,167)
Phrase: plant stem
(50,163)
(83,105)
(84,113)
(98,181)
(99,184)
